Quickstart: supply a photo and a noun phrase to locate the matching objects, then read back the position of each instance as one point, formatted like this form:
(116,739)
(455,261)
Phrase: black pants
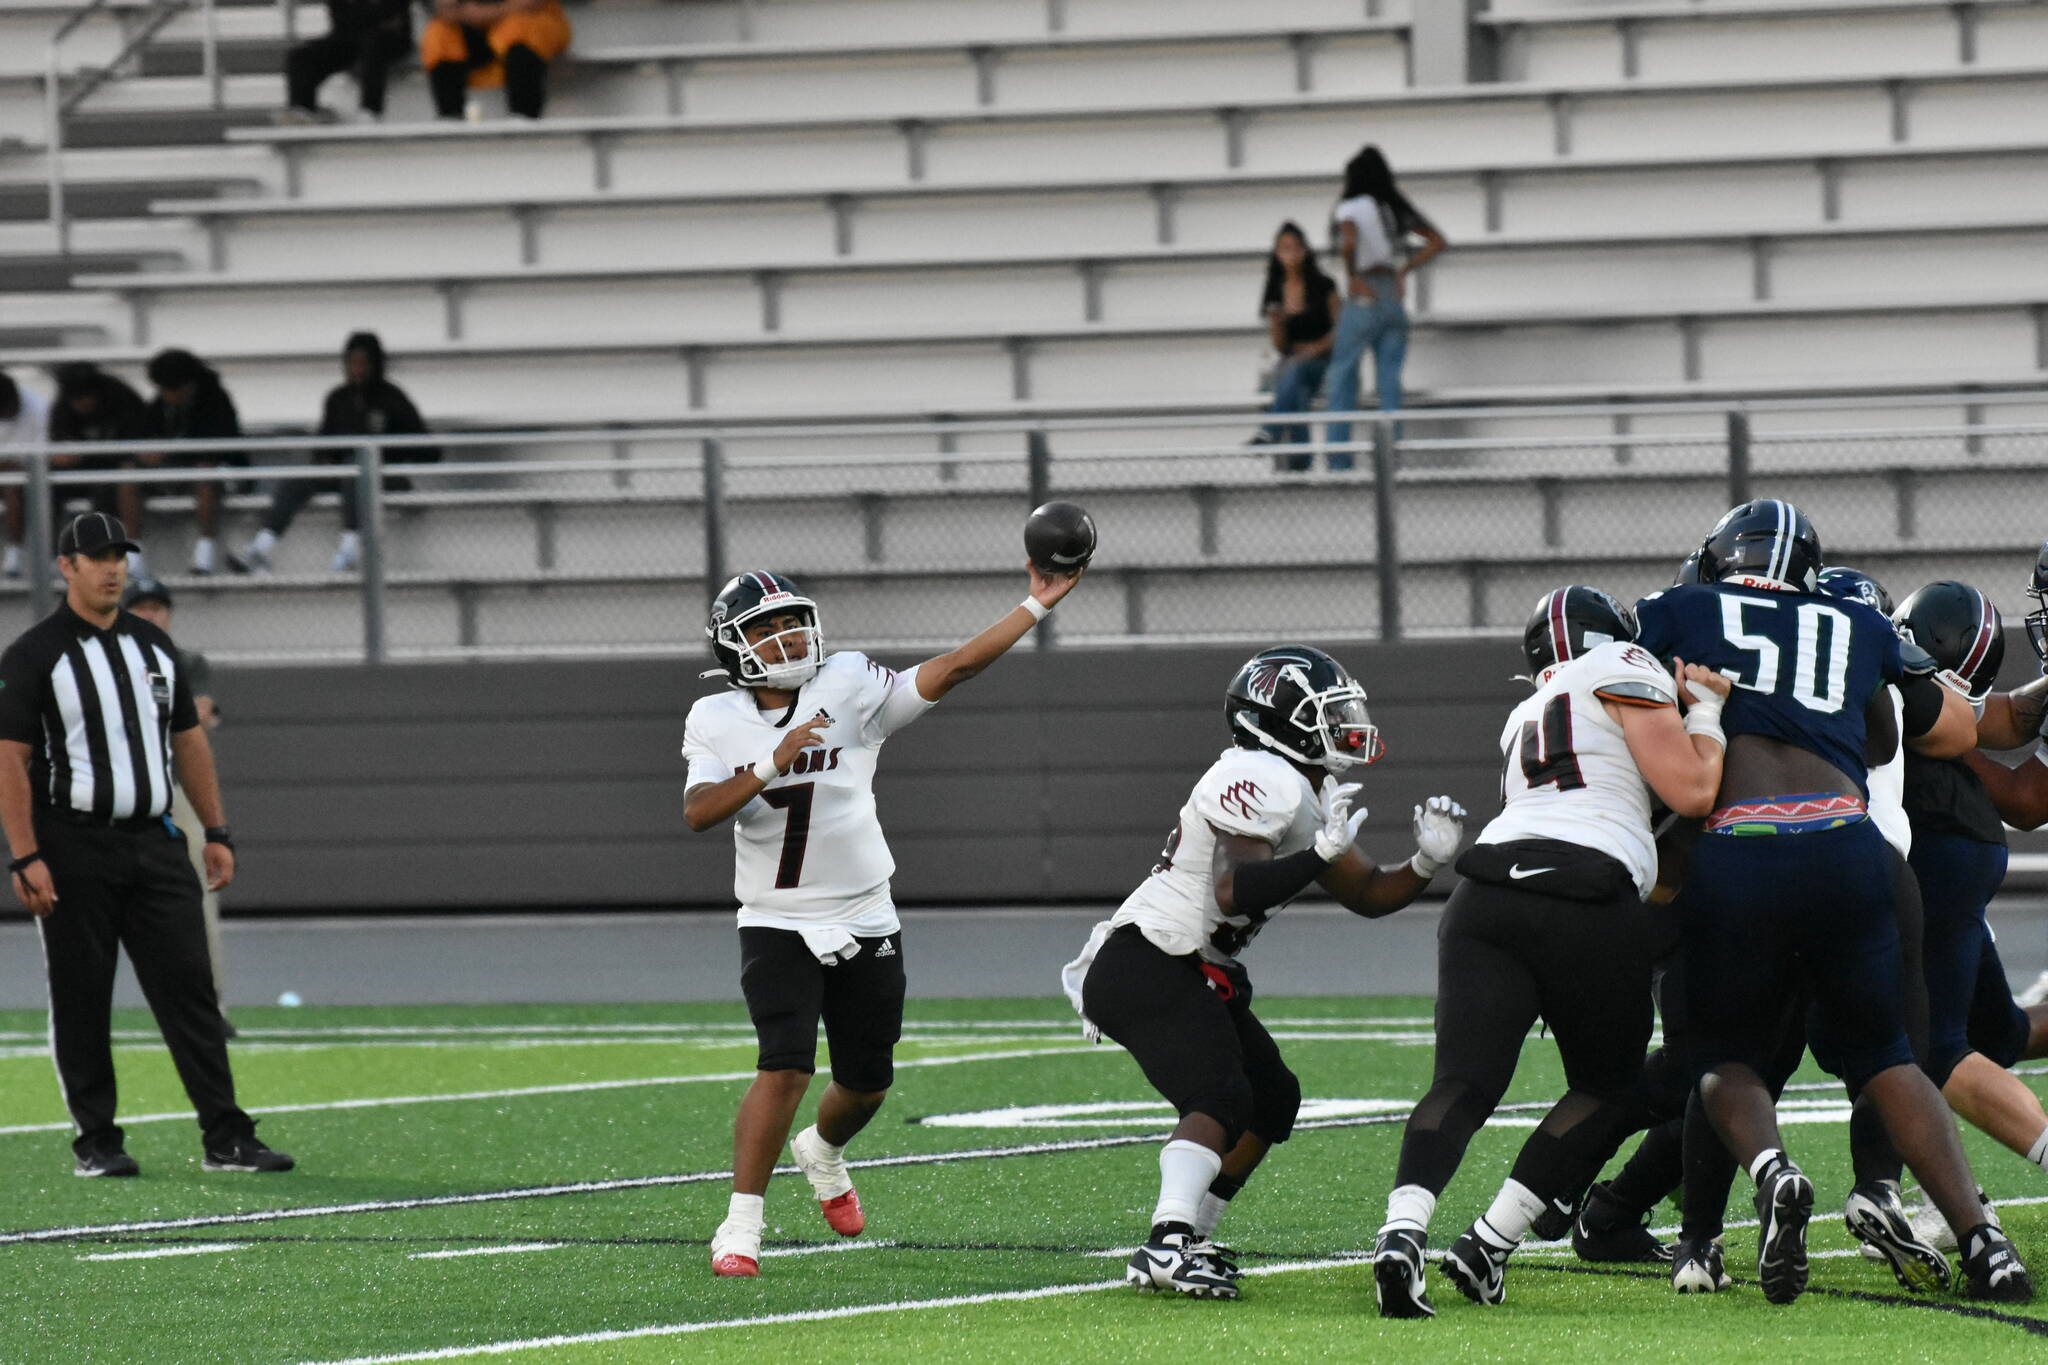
(368,54)
(1506,956)
(133,889)
(861,1001)
(526,77)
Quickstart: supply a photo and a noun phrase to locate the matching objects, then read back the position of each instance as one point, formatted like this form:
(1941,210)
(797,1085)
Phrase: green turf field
(542,1182)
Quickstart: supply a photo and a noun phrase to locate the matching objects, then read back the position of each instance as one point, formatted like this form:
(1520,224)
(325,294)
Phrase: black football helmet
(1767,538)
(1854,585)
(1688,571)
(745,597)
(1958,626)
(1569,621)
(2037,619)
(1301,704)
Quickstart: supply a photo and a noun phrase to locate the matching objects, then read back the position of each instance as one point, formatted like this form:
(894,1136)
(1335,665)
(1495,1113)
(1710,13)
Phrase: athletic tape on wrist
(1039,611)
(766,770)
(1424,866)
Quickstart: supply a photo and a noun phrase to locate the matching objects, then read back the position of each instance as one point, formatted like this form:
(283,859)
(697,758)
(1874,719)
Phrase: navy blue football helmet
(1854,585)
(1766,538)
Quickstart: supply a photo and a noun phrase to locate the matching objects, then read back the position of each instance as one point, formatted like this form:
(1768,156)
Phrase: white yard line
(827,1246)
(512,1250)
(811,1315)
(198,1249)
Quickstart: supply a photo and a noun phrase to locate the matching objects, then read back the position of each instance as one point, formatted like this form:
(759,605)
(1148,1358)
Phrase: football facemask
(1338,716)
(2037,619)
(787,659)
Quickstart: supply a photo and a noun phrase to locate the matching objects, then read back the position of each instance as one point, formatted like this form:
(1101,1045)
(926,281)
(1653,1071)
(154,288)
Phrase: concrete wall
(1055,776)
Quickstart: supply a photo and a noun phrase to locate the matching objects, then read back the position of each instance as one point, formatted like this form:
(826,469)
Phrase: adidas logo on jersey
(888,949)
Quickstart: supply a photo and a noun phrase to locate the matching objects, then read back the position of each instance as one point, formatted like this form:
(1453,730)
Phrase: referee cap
(91,533)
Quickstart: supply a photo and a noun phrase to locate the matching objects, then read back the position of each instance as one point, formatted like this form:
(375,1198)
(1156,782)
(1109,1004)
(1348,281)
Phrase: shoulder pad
(1633,693)
(1918,662)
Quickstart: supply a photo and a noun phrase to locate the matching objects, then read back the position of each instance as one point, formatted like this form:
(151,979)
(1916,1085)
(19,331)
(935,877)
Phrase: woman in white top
(1373,224)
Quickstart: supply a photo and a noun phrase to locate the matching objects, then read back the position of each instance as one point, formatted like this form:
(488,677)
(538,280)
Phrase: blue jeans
(1294,389)
(1380,326)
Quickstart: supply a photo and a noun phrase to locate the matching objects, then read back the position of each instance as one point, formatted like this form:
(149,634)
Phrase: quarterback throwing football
(788,755)
(1162,977)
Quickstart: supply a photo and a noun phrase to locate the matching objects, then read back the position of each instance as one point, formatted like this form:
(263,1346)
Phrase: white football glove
(1439,829)
(1340,822)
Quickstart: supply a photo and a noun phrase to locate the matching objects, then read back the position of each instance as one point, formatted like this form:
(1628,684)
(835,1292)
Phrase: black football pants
(132,889)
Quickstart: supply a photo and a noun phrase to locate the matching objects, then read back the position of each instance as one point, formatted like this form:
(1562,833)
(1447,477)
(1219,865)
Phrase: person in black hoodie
(93,405)
(364,37)
(365,404)
(190,405)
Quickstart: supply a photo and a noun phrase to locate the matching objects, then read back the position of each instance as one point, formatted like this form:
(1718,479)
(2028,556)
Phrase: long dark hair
(1369,174)
(1316,287)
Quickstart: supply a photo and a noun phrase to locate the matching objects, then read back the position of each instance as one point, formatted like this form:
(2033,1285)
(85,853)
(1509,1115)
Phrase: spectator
(190,405)
(24,421)
(364,37)
(93,405)
(1300,305)
(1374,221)
(364,404)
(483,44)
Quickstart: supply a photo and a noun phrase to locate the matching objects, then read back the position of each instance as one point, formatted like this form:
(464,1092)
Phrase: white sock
(203,553)
(1506,1223)
(1186,1170)
(2038,1153)
(824,1148)
(1210,1214)
(1763,1162)
(743,1214)
(265,542)
(1410,1206)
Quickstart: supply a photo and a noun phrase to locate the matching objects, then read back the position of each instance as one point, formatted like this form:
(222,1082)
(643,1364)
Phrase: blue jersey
(1804,666)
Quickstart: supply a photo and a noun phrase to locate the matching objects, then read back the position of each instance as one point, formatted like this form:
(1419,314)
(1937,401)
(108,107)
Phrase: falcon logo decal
(1242,795)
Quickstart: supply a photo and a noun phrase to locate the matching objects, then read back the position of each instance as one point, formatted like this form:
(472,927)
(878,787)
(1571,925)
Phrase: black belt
(132,823)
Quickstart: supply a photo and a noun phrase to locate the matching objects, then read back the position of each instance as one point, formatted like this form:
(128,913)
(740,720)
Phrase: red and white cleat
(734,1264)
(829,1181)
(736,1252)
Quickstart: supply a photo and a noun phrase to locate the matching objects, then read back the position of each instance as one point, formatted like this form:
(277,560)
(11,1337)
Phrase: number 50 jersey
(809,850)
(1568,773)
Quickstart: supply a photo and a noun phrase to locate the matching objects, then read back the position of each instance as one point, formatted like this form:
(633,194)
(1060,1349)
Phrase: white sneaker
(10,561)
(2036,994)
(346,556)
(205,556)
(257,557)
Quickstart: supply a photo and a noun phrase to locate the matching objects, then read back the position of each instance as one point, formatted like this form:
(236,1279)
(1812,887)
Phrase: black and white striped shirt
(97,708)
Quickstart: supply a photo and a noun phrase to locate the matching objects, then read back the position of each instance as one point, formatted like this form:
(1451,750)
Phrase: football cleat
(1554,1224)
(1478,1270)
(243,1153)
(1784,1204)
(106,1159)
(1993,1270)
(1397,1274)
(1877,1219)
(735,1252)
(1696,1268)
(1933,1229)
(1181,1263)
(831,1183)
(1605,1230)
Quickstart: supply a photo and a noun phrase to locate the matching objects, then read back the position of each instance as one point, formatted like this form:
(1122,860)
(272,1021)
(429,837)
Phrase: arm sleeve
(21,697)
(1249,806)
(704,765)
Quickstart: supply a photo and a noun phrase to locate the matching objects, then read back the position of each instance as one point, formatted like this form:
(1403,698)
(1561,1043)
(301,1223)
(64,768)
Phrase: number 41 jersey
(809,850)
(1568,773)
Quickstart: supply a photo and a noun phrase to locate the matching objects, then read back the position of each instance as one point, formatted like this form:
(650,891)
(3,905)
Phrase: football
(1060,538)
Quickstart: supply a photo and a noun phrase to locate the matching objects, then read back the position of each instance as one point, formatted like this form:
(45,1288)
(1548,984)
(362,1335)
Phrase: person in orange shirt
(485,44)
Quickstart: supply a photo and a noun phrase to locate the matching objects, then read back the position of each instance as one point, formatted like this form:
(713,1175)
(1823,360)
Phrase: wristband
(1424,866)
(1039,611)
(220,834)
(766,770)
(26,861)
(1703,721)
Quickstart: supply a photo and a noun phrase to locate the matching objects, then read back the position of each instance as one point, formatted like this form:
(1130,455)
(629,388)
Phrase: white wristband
(1425,866)
(1039,611)
(766,770)
(1703,720)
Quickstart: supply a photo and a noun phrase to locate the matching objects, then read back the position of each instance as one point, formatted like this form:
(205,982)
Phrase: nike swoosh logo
(1518,872)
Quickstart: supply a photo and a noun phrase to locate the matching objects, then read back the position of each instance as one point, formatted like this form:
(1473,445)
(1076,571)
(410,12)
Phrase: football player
(788,755)
(2013,720)
(1549,922)
(1267,820)
(1790,884)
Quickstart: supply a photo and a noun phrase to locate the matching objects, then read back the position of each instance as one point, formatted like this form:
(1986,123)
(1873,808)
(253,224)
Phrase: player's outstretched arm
(2012,719)
(1364,888)
(1939,721)
(942,673)
(709,804)
(1679,758)
(2020,794)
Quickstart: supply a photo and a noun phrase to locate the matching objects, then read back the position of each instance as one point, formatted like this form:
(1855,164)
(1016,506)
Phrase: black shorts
(861,1001)
(1203,1050)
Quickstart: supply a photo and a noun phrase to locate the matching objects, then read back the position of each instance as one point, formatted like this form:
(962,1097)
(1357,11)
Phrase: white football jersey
(1568,773)
(809,849)
(1247,791)
(1887,786)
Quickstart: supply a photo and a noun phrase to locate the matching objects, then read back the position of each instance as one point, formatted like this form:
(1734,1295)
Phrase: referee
(96,720)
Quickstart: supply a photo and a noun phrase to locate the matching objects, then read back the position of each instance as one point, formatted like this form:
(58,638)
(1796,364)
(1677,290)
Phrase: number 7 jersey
(809,851)
(1567,772)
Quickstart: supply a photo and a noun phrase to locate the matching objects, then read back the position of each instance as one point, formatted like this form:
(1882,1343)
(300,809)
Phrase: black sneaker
(1877,1219)
(1607,1231)
(1397,1276)
(244,1154)
(1696,1267)
(1479,1270)
(1992,1268)
(107,1159)
(1181,1263)
(1784,1204)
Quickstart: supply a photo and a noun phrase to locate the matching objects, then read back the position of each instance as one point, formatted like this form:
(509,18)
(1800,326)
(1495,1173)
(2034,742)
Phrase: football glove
(1439,829)
(1340,822)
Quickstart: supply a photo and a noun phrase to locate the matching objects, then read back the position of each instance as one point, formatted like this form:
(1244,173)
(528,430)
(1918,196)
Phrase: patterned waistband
(1802,814)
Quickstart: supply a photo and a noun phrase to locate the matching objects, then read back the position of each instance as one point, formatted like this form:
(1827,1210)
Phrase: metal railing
(1438,528)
